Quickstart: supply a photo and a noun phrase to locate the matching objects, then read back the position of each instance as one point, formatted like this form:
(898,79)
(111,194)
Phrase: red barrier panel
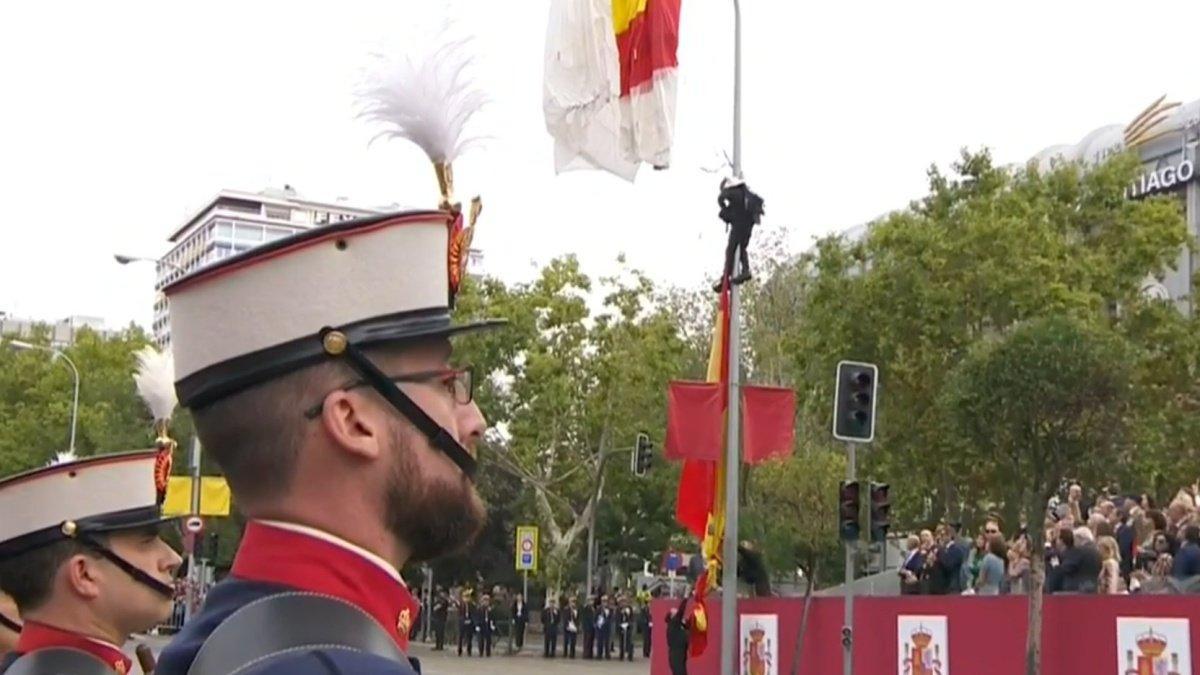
(986,635)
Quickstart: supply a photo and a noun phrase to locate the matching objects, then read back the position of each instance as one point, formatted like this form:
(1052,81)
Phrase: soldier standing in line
(441,607)
(550,620)
(570,627)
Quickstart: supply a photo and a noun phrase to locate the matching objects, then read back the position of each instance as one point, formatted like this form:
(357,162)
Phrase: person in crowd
(438,615)
(485,625)
(910,569)
(520,617)
(1110,582)
(625,625)
(1099,525)
(587,617)
(466,622)
(604,628)
(975,559)
(1075,502)
(952,558)
(1079,571)
(1187,560)
(551,618)
(991,569)
(570,627)
(645,626)
(1019,565)
(678,634)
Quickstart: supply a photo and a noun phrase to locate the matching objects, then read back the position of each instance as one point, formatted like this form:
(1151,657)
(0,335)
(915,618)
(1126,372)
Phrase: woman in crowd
(991,567)
(1019,565)
(1111,582)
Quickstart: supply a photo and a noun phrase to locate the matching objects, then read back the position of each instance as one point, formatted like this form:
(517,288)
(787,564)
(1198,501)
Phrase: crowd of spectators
(1115,544)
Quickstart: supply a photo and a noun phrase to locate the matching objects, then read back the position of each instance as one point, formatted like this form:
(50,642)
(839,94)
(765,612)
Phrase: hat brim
(230,377)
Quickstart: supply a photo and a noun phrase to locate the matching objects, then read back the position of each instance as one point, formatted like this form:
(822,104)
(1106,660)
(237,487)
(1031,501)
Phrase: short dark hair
(997,547)
(29,577)
(1067,537)
(255,435)
(1191,533)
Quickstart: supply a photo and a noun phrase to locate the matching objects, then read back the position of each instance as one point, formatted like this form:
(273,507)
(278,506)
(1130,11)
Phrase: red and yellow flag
(610,82)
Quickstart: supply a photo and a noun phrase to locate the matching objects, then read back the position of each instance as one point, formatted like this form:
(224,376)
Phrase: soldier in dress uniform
(321,378)
(520,617)
(625,620)
(81,556)
(570,627)
(551,618)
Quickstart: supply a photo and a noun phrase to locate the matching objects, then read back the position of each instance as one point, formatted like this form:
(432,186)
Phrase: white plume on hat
(425,98)
(155,379)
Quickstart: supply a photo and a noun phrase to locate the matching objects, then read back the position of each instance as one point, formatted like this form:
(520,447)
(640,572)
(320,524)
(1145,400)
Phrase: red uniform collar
(37,636)
(317,562)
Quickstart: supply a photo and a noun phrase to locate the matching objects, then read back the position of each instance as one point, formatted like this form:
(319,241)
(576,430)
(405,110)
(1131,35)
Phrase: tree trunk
(1033,639)
(797,654)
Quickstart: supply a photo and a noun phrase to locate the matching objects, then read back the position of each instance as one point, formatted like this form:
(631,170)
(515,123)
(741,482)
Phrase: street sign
(527,548)
(194,524)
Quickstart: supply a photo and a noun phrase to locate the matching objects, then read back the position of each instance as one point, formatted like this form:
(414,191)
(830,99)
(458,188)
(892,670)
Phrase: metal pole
(75,400)
(848,622)
(729,626)
(737,88)
(193,574)
(729,555)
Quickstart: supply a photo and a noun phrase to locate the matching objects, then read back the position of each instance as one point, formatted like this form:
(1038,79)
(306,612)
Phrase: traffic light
(643,452)
(848,510)
(880,512)
(854,402)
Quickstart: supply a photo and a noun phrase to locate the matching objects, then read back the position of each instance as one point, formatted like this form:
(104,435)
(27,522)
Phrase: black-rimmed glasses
(460,382)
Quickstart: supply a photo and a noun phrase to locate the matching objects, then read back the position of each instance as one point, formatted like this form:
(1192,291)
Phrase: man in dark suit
(466,622)
(604,628)
(485,625)
(520,617)
(678,634)
(550,621)
(625,621)
(587,617)
(1079,570)
(570,627)
(1187,560)
(645,625)
(441,607)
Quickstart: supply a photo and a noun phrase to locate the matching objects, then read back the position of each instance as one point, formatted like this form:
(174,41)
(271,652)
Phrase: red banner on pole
(769,427)
(695,416)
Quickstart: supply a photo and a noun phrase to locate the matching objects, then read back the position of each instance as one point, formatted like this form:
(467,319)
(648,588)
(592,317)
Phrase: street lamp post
(58,354)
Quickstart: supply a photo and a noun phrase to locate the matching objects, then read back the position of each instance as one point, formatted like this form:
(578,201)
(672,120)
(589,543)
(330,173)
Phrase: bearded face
(434,512)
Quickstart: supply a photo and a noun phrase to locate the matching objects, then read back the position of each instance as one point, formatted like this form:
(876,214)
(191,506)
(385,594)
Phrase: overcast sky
(119,119)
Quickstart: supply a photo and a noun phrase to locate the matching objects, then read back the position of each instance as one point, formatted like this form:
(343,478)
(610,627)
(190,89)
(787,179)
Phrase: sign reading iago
(1162,178)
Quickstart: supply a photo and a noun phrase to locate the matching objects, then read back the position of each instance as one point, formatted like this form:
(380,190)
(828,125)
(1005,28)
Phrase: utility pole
(729,621)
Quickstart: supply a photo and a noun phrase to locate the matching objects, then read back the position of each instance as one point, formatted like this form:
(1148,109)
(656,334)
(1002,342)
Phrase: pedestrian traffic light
(848,510)
(880,512)
(643,452)
(854,402)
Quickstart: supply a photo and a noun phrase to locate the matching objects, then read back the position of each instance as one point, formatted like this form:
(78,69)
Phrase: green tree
(987,249)
(1049,400)
(569,384)
(792,510)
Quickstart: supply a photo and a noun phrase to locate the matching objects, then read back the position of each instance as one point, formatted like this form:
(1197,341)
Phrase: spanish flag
(700,501)
(610,82)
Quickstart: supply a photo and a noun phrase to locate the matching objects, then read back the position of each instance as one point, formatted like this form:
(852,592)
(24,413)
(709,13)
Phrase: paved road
(449,663)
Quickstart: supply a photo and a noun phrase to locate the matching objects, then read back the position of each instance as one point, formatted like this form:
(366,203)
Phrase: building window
(224,230)
(248,233)
(277,212)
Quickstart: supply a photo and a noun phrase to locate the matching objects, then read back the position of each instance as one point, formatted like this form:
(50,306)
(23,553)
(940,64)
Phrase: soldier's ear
(81,574)
(353,425)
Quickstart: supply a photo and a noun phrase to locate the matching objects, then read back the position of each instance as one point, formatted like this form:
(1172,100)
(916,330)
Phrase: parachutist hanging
(741,209)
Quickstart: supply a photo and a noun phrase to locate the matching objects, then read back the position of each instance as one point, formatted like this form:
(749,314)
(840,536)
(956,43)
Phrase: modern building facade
(1166,136)
(233,221)
(61,333)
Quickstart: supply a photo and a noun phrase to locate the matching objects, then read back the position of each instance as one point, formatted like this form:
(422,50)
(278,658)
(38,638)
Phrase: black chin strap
(128,567)
(336,344)
(8,623)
